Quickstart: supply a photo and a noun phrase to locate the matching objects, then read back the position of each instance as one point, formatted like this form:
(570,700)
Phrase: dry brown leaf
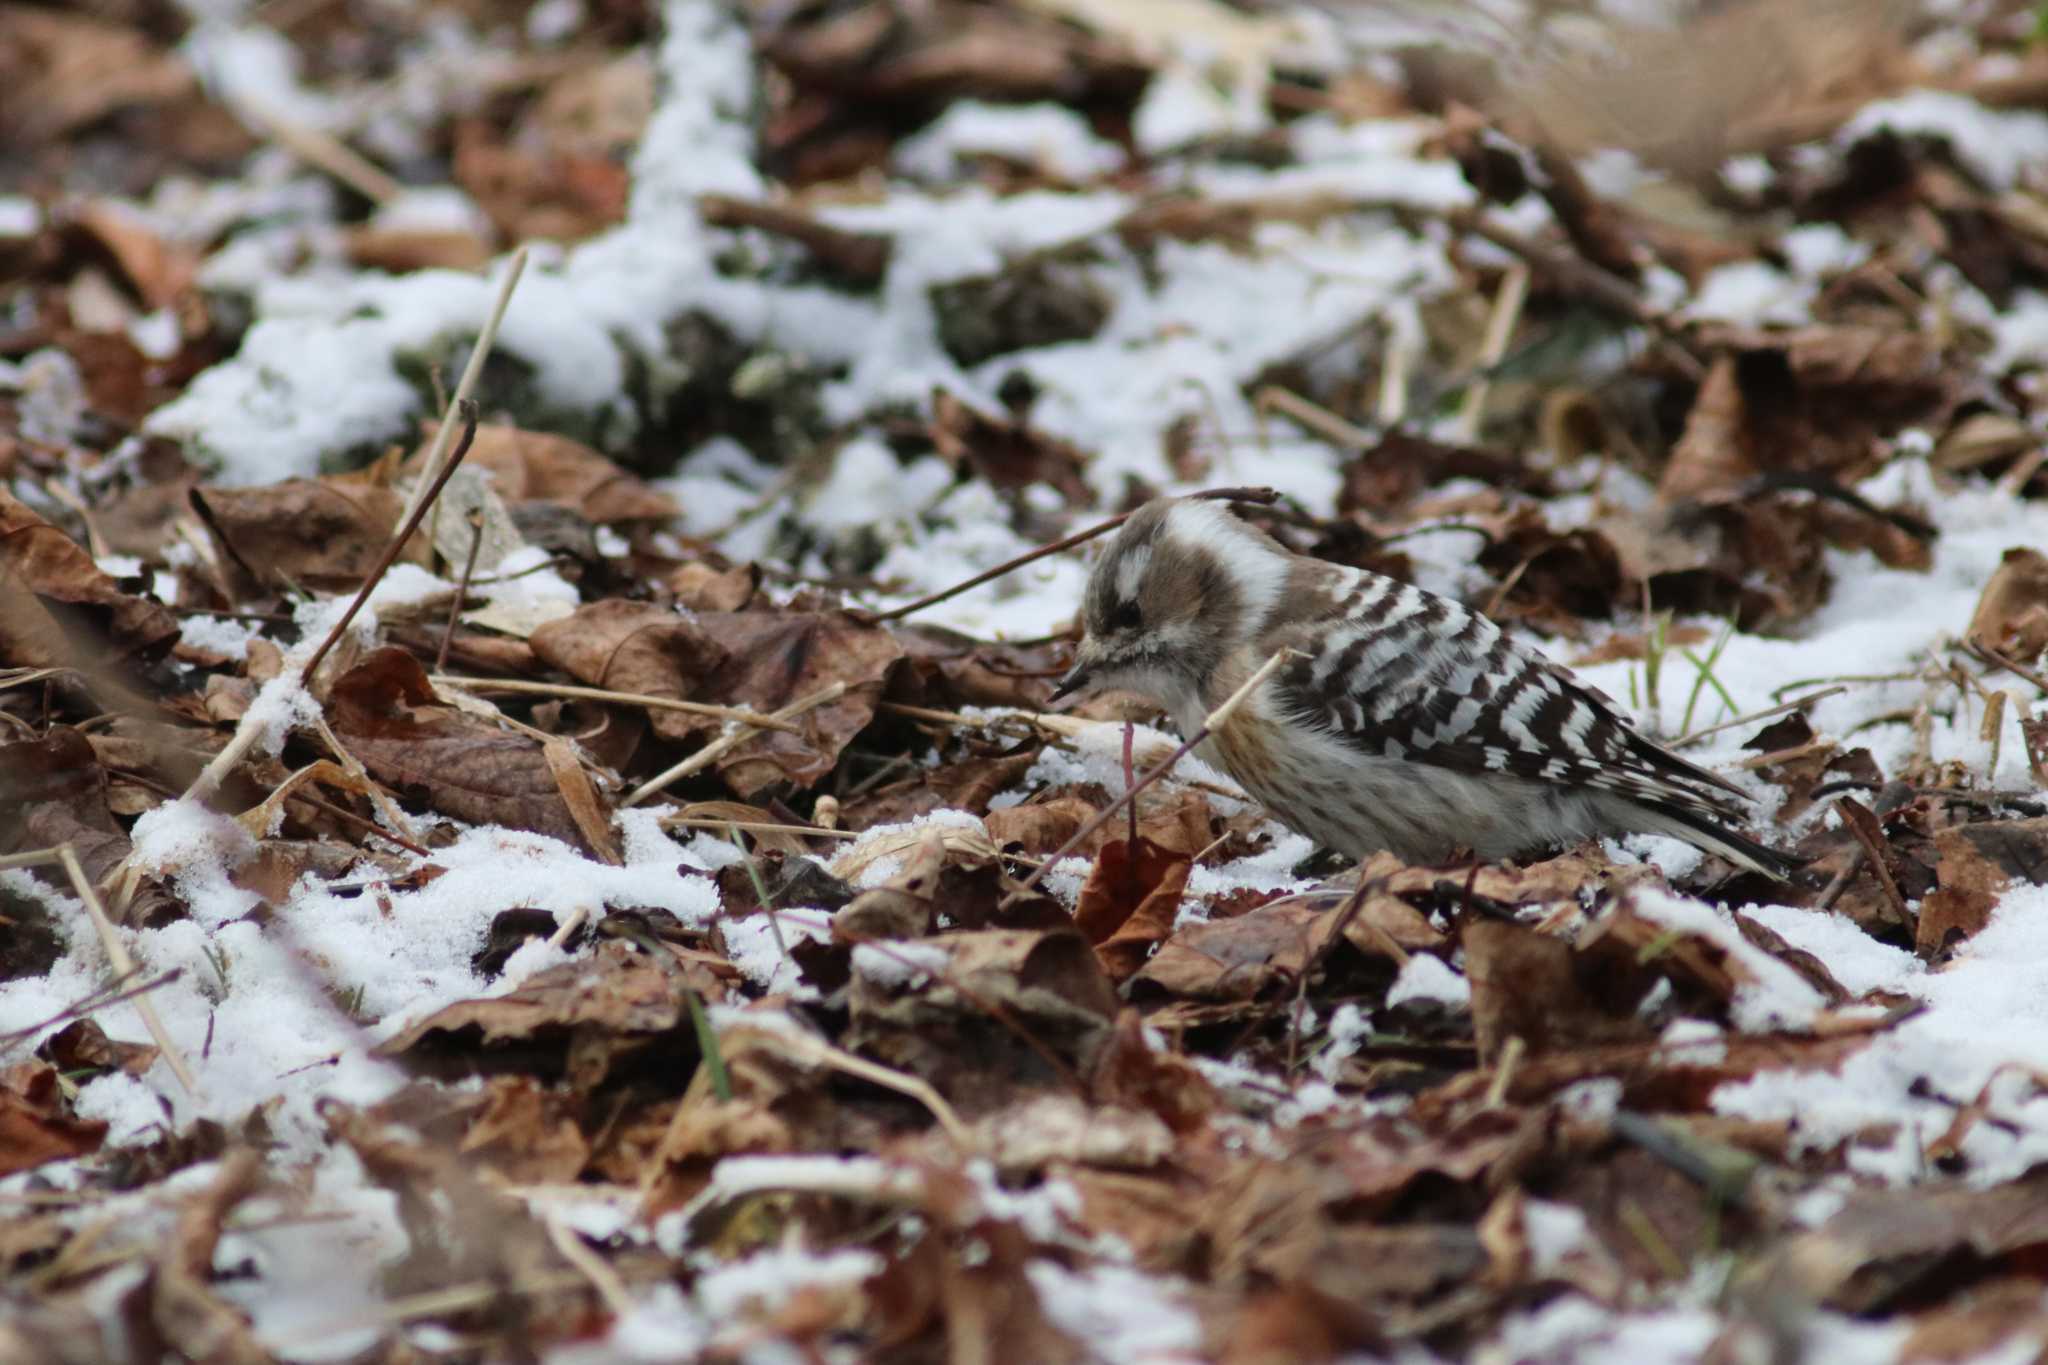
(386,714)
(191,1317)
(953,670)
(524,1133)
(579,1018)
(763,660)
(700,587)
(1531,986)
(1242,958)
(538,466)
(402,250)
(1712,455)
(1687,95)
(60,71)
(1045,1130)
(1006,452)
(637,647)
(319,533)
(1977,862)
(157,270)
(1883,1240)
(2012,611)
(564,198)
(1039,827)
(1005,1007)
(53,791)
(58,609)
(589,809)
(597,107)
(36,1122)
(1129,902)
(83,1047)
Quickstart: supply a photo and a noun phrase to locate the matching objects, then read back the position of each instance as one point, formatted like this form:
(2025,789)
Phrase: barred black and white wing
(1405,676)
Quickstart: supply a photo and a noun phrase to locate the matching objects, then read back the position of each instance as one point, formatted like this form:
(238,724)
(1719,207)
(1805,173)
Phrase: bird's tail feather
(1704,831)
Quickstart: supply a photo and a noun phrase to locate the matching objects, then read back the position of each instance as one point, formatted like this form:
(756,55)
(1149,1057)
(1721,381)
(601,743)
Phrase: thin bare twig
(756,827)
(113,993)
(1216,720)
(321,151)
(1263,496)
(726,743)
(1862,823)
(2012,666)
(1796,704)
(822,1053)
(744,716)
(1500,328)
(476,543)
(124,966)
(397,542)
(1338,928)
(949,979)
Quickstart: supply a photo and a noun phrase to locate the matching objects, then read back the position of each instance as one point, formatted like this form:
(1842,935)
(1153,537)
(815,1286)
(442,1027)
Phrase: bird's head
(1182,586)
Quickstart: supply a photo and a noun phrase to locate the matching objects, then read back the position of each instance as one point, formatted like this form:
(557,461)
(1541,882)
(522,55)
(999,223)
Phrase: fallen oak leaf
(386,714)
(36,1122)
(762,660)
(1130,901)
(54,600)
(572,1021)
(1977,862)
(539,466)
(319,533)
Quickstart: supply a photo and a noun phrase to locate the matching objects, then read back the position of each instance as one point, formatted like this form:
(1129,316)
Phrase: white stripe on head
(1130,572)
(1259,573)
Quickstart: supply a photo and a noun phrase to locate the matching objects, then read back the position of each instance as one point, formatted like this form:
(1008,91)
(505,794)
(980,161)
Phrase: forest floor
(509,850)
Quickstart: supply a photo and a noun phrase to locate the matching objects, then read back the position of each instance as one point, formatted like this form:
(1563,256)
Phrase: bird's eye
(1126,617)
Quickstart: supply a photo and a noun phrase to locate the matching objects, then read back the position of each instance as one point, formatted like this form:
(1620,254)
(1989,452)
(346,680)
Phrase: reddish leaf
(1130,901)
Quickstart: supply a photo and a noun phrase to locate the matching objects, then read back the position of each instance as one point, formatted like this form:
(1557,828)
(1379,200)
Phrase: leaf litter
(663,921)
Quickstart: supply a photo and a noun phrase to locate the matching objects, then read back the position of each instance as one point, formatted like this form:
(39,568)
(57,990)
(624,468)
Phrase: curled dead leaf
(538,466)
(386,714)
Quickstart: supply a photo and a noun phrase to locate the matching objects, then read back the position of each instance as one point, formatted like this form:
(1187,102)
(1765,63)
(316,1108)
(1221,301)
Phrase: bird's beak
(1079,676)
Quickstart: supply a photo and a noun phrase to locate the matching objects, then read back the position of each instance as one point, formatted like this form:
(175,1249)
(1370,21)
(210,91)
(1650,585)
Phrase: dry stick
(1130,775)
(476,543)
(1315,961)
(486,337)
(397,544)
(366,826)
(1840,883)
(822,1053)
(1504,1071)
(124,965)
(323,152)
(1998,660)
(1500,328)
(1603,286)
(1216,720)
(1863,827)
(724,744)
(756,827)
(113,993)
(1397,366)
(547,689)
(245,737)
(93,539)
(594,1267)
(1054,1063)
(1796,704)
(1263,496)
(1317,418)
(1777,756)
